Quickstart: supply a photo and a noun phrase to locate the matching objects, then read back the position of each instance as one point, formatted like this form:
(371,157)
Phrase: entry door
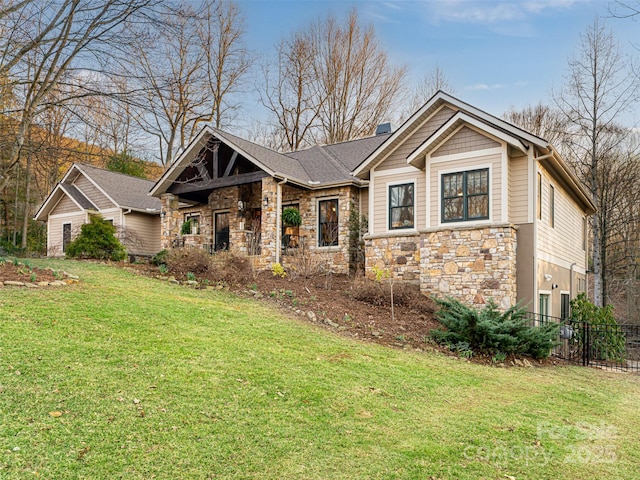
(66,236)
(544,306)
(221,222)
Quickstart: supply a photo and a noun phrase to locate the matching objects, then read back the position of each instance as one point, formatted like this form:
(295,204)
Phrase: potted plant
(186,228)
(291,217)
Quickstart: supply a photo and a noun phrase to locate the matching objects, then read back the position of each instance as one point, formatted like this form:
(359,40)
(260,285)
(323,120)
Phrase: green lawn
(161,381)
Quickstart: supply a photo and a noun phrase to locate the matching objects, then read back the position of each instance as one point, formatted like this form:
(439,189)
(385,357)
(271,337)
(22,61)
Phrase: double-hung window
(465,196)
(401,206)
(328,223)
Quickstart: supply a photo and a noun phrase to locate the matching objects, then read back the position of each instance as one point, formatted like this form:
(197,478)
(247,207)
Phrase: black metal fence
(610,347)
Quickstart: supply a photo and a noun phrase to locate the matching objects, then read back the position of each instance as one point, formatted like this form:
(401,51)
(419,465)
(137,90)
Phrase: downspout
(571,280)
(279,218)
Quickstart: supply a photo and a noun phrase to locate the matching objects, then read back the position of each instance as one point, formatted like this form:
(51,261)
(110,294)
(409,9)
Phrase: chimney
(383,128)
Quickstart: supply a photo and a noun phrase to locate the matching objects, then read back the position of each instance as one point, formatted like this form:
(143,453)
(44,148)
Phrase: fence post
(586,344)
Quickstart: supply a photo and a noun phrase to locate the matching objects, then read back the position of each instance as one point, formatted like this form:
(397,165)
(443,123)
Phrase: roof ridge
(336,161)
(82,165)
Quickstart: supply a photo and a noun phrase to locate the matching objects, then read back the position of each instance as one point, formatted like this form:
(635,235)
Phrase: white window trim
(467,223)
(324,199)
(409,231)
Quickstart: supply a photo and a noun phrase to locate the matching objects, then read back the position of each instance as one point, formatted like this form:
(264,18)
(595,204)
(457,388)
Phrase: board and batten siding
(381,199)
(518,190)
(565,239)
(93,193)
(54,230)
(147,232)
(494,161)
(465,140)
(398,158)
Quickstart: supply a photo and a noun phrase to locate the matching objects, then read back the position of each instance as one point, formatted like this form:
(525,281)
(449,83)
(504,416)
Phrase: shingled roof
(316,167)
(125,191)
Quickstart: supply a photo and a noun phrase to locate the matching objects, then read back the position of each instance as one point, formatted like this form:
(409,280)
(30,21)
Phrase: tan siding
(495,183)
(398,158)
(518,190)
(563,241)
(92,193)
(364,202)
(379,216)
(65,205)
(465,140)
(54,231)
(147,232)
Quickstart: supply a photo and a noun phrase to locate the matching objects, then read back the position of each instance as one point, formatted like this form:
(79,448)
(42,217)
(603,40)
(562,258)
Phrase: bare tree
(432,82)
(189,69)
(228,60)
(545,122)
(332,82)
(355,78)
(598,89)
(290,93)
(45,42)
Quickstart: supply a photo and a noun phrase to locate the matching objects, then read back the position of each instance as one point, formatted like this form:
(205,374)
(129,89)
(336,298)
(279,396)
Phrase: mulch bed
(25,273)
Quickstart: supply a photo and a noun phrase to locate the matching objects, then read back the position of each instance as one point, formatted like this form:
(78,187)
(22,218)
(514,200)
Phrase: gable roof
(125,191)
(316,167)
(522,138)
(77,196)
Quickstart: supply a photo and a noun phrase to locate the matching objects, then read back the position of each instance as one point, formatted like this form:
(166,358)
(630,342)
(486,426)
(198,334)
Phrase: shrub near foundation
(97,240)
(490,331)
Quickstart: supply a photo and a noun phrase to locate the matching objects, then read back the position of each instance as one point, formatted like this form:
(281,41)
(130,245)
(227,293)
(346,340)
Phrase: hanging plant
(186,228)
(291,217)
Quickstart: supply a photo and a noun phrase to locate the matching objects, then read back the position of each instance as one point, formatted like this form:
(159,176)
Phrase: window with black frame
(465,196)
(328,223)
(401,205)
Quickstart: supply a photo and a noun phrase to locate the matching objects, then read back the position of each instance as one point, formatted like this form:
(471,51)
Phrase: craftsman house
(119,198)
(458,201)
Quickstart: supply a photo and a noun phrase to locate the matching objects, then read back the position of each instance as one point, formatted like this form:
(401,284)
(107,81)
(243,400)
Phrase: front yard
(122,376)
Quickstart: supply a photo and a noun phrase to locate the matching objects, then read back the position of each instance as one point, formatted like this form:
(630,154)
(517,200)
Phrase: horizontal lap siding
(380,206)
(147,233)
(565,239)
(465,140)
(65,205)
(398,159)
(54,231)
(364,202)
(92,193)
(495,184)
(518,190)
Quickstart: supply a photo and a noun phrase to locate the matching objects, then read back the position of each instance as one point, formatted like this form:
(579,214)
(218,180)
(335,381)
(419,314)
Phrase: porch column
(269,220)
(170,220)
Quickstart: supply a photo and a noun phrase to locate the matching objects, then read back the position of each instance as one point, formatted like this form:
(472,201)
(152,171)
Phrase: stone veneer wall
(264,196)
(336,257)
(398,252)
(473,264)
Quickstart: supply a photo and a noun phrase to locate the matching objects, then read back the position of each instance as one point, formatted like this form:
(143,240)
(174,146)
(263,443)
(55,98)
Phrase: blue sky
(496,54)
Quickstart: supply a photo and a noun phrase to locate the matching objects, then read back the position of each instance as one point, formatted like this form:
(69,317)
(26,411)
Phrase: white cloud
(495,86)
(491,12)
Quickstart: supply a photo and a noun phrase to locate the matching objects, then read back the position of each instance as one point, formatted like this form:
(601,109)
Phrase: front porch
(246,219)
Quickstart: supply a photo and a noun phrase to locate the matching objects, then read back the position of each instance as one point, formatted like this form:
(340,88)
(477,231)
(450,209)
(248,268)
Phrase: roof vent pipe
(383,128)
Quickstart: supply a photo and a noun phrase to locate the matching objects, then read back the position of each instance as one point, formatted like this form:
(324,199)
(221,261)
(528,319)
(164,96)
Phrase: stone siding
(262,196)
(401,253)
(472,265)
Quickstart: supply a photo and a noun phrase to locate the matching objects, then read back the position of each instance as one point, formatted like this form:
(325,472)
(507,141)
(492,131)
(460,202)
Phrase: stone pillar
(170,219)
(268,221)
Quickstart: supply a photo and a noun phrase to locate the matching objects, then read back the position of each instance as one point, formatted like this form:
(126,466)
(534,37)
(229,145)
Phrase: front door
(221,222)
